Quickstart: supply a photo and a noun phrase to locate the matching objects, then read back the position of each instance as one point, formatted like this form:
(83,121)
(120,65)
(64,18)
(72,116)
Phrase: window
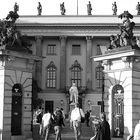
(76,49)
(51,49)
(51,75)
(99,76)
(76,73)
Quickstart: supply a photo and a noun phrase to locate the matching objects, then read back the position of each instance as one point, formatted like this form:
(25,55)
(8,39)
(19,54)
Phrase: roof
(71,20)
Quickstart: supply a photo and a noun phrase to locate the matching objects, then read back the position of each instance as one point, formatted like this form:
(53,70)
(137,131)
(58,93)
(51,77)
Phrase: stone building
(66,47)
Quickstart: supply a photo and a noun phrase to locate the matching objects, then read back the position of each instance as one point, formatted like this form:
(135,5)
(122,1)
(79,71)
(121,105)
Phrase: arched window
(76,73)
(51,75)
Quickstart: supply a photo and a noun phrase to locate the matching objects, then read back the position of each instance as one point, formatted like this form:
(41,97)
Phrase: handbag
(82,118)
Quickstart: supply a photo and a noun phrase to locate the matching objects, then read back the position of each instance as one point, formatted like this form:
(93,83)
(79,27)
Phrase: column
(62,62)
(38,71)
(89,62)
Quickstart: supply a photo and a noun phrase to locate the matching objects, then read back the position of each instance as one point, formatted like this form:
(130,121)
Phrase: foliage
(10,38)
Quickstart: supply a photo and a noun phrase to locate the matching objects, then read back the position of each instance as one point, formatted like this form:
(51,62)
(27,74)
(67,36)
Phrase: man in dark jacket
(58,122)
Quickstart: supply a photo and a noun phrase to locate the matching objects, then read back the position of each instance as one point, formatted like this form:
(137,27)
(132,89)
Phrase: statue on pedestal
(62,8)
(73,93)
(114,8)
(126,37)
(39,8)
(138,8)
(89,8)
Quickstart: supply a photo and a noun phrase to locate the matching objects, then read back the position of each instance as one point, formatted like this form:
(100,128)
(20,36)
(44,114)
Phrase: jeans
(46,132)
(77,129)
(57,130)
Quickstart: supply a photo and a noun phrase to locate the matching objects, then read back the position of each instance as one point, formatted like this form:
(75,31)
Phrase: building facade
(67,45)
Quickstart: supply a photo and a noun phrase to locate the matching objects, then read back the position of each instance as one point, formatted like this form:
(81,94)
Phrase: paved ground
(68,134)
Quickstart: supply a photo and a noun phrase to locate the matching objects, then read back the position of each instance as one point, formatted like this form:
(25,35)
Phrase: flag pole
(77,7)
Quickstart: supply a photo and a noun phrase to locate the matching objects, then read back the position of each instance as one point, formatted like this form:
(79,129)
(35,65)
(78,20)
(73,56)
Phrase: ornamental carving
(10,37)
(125,38)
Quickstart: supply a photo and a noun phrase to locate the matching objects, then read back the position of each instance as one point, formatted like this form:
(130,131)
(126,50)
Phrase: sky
(52,7)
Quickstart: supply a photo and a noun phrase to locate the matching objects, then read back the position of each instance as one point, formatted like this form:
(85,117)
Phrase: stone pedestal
(121,96)
(15,95)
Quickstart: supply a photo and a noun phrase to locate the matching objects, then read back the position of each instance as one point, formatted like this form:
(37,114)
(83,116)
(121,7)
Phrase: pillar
(62,62)
(121,96)
(38,70)
(89,62)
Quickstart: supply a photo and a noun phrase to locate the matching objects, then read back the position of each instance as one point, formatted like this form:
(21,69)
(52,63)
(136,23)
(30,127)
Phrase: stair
(68,134)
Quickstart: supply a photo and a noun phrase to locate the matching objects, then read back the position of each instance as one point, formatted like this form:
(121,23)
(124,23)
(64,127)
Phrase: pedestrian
(75,120)
(63,114)
(137,131)
(105,128)
(87,118)
(58,123)
(39,114)
(102,128)
(46,122)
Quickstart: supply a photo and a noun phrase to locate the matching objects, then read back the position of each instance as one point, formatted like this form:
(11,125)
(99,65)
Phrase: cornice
(73,32)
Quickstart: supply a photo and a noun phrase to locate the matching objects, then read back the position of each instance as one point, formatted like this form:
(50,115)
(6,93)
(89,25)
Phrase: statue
(62,8)
(114,8)
(138,8)
(39,8)
(114,42)
(126,37)
(16,7)
(89,8)
(10,38)
(73,93)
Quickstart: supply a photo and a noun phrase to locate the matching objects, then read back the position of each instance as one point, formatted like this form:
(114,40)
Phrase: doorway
(49,106)
(16,110)
(118,110)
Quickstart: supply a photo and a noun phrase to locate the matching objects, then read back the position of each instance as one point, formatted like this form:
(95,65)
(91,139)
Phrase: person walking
(58,123)
(137,131)
(87,118)
(46,122)
(75,120)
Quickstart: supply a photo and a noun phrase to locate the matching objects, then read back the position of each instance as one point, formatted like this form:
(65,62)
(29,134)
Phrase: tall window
(76,49)
(51,75)
(76,73)
(99,76)
(51,49)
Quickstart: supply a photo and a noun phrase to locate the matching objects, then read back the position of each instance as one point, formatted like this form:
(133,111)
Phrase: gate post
(122,70)
(16,94)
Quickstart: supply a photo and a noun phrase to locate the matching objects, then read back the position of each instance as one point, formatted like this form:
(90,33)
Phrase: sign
(95,111)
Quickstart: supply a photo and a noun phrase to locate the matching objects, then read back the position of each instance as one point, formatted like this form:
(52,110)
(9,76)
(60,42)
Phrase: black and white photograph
(69,70)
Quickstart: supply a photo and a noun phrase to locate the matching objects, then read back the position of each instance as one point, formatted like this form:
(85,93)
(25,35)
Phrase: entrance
(16,109)
(49,106)
(118,110)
